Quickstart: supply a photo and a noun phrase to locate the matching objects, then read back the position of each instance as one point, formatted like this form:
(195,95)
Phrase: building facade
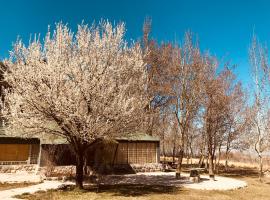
(135,149)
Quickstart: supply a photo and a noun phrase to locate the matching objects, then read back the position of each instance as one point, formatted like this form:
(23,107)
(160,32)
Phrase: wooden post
(39,159)
(136,153)
(30,153)
(127,153)
(157,152)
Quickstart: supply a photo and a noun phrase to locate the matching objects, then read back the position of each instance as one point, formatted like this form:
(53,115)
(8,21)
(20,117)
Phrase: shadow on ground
(239,172)
(138,190)
(133,190)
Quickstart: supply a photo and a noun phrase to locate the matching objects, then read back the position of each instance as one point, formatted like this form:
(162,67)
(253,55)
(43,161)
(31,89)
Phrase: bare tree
(81,86)
(259,114)
(187,68)
(215,111)
(175,77)
(233,138)
(221,105)
(157,58)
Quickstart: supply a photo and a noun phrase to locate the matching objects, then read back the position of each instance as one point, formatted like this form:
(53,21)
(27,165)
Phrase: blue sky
(223,27)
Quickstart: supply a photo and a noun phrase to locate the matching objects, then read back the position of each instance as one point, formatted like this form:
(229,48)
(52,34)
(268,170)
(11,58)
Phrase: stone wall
(17,168)
(71,169)
(56,171)
(148,167)
(118,169)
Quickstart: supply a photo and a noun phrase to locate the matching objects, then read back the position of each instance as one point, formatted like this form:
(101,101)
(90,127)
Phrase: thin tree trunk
(259,153)
(179,166)
(174,152)
(227,152)
(206,163)
(201,161)
(187,155)
(191,154)
(85,167)
(215,163)
(163,148)
(226,161)
(218,161)
(211,166)
(181,155)
(260,167)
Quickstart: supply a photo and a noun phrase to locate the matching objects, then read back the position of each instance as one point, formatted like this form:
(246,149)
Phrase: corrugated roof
(124,137)
(138,137)
(58,140)
(48,140)
(7,139)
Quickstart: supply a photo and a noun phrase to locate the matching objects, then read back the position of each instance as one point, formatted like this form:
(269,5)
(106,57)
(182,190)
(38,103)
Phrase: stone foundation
(148,167)
(17,168)
(57,171)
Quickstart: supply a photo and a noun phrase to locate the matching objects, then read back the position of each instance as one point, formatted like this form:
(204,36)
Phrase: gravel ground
(168,179)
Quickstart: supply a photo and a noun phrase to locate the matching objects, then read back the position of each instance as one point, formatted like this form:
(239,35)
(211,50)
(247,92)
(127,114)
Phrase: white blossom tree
(81,86)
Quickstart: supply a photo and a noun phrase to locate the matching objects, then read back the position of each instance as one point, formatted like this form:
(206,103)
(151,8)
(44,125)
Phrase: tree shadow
(239,172)
(134,185)
(127,190)
(138,190)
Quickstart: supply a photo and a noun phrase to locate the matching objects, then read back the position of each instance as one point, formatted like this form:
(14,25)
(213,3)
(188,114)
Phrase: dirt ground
(168,179)
(255,191)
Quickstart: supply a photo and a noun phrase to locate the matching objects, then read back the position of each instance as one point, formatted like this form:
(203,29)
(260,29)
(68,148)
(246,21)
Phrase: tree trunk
(79,170)
(201,161)
(218,160)
(85,167)
(227,153)
(206,162)
(215,163)
(227,161)
(173,153)
(211,166)
(187,155)
(179,166)
(191,155)
(260,167)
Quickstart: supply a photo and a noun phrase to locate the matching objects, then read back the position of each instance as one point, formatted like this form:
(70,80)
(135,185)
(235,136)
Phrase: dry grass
(236,160)
(255,191)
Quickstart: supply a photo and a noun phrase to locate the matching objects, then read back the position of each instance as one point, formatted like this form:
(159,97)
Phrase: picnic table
(194,174)
(169,164)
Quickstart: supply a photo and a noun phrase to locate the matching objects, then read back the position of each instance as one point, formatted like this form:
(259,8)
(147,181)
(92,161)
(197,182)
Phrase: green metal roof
(58,140)
(125,137)
(61,140)
(138,137)
(6,139)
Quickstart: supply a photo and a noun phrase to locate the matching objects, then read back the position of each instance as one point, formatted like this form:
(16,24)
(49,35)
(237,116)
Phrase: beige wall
(136,152)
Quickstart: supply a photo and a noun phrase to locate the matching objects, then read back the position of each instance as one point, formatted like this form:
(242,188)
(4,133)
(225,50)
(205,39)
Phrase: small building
(136,148)
(132,149)
(15,150)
